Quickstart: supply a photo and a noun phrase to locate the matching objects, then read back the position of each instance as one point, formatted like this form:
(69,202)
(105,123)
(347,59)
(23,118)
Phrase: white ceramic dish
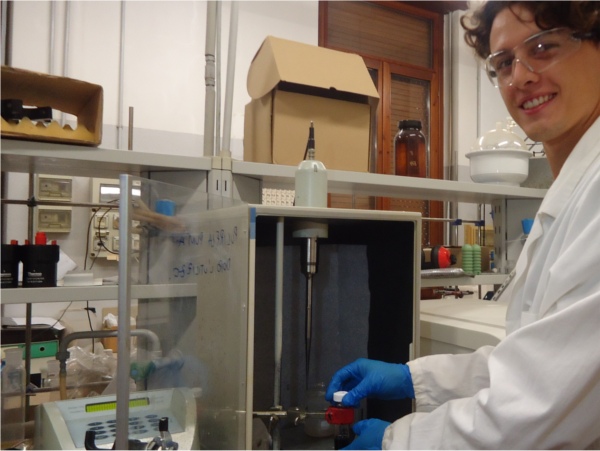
(499,156)
(499,166)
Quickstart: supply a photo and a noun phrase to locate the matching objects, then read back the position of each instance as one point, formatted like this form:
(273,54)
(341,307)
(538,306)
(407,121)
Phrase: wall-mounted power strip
(104,222)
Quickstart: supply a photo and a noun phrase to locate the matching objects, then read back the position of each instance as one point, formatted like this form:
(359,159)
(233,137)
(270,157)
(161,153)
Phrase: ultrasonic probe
(311,191)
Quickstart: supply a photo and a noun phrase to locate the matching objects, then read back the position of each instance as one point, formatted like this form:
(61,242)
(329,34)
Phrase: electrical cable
(101,243)
(306,151)
(87,309)
(87,248)
(100,240)
(93,261)
(87,241)
(310,142)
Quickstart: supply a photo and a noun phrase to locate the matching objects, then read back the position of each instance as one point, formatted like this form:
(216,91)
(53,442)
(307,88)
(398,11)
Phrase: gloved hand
(369,434)
(371,378)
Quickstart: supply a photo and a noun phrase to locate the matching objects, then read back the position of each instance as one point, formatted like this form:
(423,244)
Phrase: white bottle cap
(339,395)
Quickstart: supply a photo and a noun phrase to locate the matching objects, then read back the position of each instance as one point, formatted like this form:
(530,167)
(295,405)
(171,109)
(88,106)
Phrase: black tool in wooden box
(14,110)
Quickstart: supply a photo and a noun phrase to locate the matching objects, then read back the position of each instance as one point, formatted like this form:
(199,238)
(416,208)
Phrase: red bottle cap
(339,415)
(40,238)
(14,241)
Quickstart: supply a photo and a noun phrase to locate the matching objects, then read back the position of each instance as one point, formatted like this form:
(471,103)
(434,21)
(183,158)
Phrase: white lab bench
(458,326)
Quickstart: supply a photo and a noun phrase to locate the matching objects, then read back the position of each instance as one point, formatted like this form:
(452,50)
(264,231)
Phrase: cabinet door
(401,47)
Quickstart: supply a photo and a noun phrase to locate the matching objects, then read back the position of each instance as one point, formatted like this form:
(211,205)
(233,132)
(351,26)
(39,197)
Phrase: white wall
(164,47)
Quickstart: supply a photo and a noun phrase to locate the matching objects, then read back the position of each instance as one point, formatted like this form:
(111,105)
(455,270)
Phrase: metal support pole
(124,312)
(209,80)
(121,76)
(231,52)
(278,326)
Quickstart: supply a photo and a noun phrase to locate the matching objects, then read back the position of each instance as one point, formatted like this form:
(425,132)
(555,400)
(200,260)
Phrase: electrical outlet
(100,221)
(115,244)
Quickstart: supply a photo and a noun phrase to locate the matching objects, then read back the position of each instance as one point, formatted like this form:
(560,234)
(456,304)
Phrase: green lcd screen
(112,405)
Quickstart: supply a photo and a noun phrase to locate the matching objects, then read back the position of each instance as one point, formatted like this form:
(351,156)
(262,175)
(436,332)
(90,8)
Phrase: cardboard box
(81,99)
(292,84)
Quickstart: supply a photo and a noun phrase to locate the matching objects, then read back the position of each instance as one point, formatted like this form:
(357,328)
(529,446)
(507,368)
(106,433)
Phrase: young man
(540,387)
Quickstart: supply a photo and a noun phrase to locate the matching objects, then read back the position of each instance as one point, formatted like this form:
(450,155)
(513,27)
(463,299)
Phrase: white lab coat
(539,388)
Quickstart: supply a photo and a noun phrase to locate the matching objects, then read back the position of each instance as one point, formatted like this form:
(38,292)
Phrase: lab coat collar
(582,156)
(585,151)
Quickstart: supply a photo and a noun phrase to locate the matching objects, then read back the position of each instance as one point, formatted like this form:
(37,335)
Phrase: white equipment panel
(63,424)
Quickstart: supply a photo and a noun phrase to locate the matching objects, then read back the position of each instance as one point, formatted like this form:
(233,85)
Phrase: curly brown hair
(581,16)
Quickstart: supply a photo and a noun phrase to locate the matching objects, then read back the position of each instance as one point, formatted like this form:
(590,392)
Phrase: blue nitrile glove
(369,434)
(371,378)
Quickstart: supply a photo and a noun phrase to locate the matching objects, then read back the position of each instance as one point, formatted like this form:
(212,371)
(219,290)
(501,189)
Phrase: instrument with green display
(112,405)
(63,424)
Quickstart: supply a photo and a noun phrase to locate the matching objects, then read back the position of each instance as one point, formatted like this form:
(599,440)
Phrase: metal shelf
(94,293)
(344,182)
(482,279)
(47,158)
(62,159)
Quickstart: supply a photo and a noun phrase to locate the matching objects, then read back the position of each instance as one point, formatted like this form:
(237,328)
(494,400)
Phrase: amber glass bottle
(410,157)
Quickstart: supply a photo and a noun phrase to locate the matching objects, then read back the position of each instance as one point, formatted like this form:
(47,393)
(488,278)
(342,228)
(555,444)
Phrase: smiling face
(557,106)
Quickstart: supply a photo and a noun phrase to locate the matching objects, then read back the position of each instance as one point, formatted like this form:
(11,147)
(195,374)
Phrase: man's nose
(521,74)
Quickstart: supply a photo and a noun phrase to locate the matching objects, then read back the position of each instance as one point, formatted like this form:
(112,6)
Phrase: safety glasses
(537,53)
